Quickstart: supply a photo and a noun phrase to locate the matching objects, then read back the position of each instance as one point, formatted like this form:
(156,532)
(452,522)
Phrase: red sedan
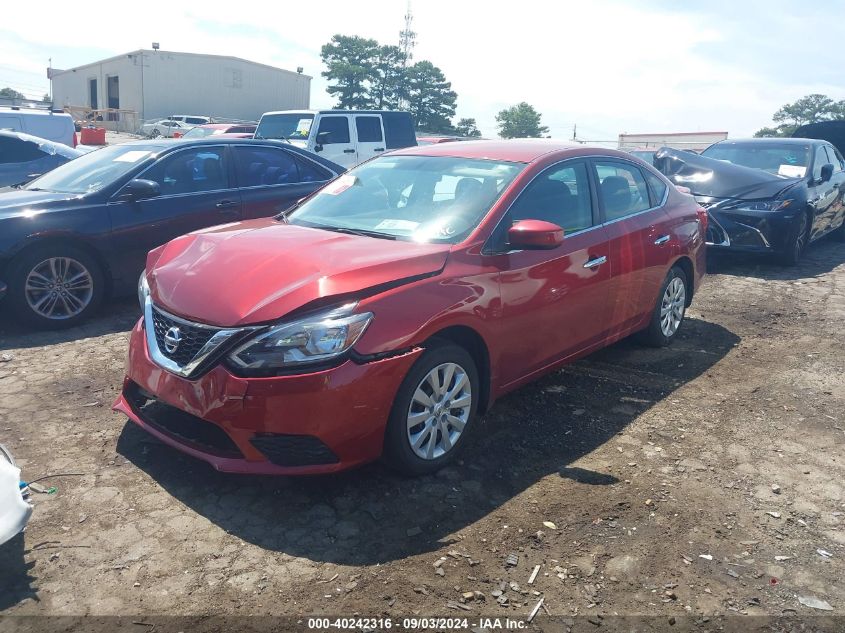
(383,314)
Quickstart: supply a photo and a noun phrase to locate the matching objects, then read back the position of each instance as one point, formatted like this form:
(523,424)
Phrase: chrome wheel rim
(672,306)
(439,411)
(59,288)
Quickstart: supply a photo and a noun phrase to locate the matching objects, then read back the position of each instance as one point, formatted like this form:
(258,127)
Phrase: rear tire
(433,411)
(667,318)
(55,287)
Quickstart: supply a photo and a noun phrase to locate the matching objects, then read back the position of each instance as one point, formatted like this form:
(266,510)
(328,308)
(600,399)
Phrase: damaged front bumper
(751,231)
(14,511)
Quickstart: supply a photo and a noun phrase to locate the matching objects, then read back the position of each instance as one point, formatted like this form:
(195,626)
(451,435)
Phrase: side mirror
(535,235)
(827,172)
(141,189)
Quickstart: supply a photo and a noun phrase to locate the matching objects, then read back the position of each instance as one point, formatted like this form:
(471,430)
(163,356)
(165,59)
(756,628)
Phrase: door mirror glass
(141,189)
(535,235)
(827,172)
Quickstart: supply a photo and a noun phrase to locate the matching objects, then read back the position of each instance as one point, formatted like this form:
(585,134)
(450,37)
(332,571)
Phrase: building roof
(56,72)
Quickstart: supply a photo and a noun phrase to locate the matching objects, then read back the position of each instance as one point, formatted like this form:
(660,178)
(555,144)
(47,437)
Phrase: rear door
(334,139)
(641,242)
(271,179)
(836,211)
(370,136)
(197,191)
(554,302)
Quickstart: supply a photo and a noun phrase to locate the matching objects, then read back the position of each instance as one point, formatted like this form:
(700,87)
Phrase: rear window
(368,128)
(658,187)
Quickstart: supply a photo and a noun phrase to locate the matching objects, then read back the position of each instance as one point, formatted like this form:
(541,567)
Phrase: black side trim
(182,426)
(294,450)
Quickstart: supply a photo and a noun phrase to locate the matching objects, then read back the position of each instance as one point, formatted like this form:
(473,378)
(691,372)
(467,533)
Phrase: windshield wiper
(351,231)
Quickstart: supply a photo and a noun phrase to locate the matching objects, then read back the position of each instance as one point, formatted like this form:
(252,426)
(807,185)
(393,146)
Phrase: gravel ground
(691,483)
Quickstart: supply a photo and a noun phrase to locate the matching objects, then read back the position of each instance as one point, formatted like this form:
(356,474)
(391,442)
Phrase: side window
(658,187)
(819,162)
(622,188)
(337,127)
(311,172)
(15,150)
(369,129)
(195,121)
(833,158)
(262,166)
(560,195)
(191,171)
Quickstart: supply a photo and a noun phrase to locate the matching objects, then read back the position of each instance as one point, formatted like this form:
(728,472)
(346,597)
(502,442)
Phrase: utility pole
(407,41)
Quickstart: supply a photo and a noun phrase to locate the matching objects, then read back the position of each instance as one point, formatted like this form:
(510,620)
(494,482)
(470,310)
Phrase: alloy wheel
(439,411)
(672,306)
(59,288)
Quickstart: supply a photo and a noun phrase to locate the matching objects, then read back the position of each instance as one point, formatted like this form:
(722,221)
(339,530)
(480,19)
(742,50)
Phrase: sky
(607,66)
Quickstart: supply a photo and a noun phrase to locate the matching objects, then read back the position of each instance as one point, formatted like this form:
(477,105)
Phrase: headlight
(764,205)
(317,338)
(143,289)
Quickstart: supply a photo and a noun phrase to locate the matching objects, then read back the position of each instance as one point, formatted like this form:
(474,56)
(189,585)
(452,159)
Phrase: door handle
(349,151)
(662,240)
(595,262)
(226,204)
(381,149)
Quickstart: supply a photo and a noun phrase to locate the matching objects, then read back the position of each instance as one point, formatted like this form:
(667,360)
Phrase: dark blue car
(82,231)
(24,157)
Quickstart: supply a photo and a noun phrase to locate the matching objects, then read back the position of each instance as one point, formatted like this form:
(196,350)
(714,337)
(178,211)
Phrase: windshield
(91,172)
(284,126)
(419,198)
(202,132)
(788,159)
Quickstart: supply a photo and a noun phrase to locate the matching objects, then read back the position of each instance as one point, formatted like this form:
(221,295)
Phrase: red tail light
(702,220)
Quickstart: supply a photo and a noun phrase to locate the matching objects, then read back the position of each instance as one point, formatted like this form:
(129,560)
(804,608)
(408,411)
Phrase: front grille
(192,338)
(294,450)
(183,426)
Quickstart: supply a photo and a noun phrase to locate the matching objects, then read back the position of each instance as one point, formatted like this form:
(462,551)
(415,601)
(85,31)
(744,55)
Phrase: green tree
(809,109)
(10,93)
(467,127)
(431,99)
(520,121)
(349,64)
(387,78)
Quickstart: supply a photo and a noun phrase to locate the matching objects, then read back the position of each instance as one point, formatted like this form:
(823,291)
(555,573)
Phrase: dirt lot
(690,483)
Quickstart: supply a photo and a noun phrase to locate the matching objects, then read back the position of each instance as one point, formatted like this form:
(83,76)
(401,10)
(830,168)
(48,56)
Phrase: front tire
(55,287)
(433,411)
(797,243)
(669,311)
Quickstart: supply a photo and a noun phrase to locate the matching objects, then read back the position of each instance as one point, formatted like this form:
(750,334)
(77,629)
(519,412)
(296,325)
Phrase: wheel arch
(686,265)
(34,244)
(472,341)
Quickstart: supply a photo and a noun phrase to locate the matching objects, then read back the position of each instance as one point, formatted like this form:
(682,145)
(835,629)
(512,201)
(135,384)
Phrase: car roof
(768,141)
(515,150)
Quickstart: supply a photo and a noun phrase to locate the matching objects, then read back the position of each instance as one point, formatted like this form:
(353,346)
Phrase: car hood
(14,202)
(259,271)
(707,177)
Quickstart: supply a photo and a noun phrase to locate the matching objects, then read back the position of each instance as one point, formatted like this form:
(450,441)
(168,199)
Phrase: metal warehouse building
(156,84)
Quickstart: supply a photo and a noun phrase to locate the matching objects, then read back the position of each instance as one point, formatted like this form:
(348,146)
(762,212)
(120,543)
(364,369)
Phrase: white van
(43,123)
(346,137)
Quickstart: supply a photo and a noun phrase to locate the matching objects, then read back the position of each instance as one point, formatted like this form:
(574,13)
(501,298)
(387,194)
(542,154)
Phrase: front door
(370,136)
(272,179)
(554,302)
(640,240)
(822,196)
(196,192)
(334,140)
